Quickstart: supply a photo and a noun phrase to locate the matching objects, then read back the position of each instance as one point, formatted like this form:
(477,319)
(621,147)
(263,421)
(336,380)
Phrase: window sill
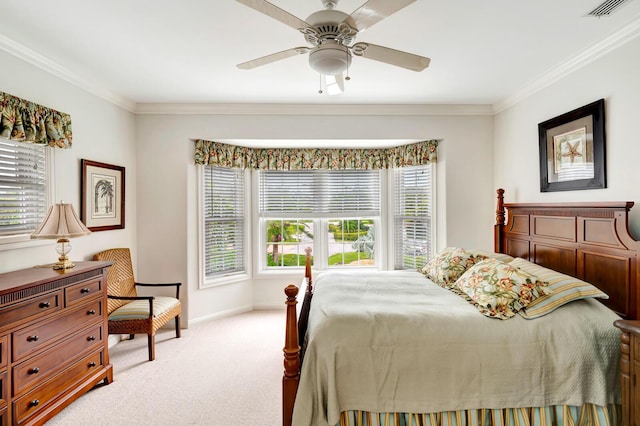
(221,281)
(14,244)
(299,271)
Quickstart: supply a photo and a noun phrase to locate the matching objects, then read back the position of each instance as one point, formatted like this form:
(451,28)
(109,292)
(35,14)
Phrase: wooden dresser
(630,371)
(53,339)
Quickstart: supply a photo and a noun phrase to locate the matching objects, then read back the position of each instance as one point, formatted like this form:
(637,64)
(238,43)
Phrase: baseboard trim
(278,307)
(221,314)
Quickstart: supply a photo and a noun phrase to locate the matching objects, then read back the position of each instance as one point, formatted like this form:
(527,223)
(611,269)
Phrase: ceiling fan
(331,34)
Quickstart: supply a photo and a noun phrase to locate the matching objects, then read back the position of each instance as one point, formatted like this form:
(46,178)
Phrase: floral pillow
(505,258)
(449,265)
(565,289)
(498,289)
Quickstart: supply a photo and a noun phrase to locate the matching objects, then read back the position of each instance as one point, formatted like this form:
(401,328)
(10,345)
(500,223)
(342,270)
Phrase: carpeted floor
(223,372)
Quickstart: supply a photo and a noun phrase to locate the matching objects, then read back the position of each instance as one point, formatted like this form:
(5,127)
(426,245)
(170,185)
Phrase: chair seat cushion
(139,309)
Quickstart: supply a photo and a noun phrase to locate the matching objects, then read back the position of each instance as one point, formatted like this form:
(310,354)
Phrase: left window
(224,222)
(23,189)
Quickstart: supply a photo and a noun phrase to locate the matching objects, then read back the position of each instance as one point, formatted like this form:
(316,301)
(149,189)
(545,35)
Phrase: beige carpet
(223,372)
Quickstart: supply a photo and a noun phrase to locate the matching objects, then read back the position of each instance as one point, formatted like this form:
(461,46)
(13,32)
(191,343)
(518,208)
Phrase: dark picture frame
(102,196)
(572,150)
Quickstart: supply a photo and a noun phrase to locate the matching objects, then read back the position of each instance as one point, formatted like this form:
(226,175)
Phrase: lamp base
(63,247)
(63,263)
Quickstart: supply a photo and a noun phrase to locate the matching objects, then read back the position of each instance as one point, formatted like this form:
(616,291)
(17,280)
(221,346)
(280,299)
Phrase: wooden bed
(589,241)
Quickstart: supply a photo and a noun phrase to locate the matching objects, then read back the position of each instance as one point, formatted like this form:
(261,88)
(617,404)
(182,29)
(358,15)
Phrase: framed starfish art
(572,150)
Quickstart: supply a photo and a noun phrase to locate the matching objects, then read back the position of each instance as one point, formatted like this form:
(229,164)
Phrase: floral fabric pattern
(449,265)
(224,155)
(26,121)
(499,290)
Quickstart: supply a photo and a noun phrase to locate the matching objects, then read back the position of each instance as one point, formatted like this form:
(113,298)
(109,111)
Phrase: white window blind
(224,221)
(23,188)
(413,216)
(319,193)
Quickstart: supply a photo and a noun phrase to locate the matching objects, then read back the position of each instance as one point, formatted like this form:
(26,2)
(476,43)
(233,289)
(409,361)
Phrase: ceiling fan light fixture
(332,85)
(330,58)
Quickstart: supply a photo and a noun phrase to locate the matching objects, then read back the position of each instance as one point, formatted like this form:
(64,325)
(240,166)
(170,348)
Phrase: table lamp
(61,223)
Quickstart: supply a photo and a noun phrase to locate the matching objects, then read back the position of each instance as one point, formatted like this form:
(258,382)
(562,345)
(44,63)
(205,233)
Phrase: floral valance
(224,155)
(29,122)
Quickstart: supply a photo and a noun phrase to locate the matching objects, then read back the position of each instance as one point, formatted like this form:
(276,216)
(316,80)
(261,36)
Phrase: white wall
(613,77)
(101,132)
(161,202)
(167,198)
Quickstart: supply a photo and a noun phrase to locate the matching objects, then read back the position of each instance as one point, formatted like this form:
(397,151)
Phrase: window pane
(351,242)
(23,187)
(286,241)
(413,216)
(333,199)
(224,221)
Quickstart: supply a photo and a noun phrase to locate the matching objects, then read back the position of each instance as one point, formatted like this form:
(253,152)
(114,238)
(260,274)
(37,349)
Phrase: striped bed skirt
(559,415)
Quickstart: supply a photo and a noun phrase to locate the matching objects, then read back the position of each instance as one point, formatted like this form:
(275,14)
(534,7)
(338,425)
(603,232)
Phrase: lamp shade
(61,221)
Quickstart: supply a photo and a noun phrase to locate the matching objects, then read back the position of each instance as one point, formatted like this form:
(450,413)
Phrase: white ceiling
(185,51)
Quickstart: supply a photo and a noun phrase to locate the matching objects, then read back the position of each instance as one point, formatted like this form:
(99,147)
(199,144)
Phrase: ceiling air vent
(606,8)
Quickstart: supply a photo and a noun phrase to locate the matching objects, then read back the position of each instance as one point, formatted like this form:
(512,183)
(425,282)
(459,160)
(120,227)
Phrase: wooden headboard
(589,241)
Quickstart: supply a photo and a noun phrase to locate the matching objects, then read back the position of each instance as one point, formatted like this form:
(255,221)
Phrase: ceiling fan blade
(275,12)
(374,11)
(391,56)
(272,58)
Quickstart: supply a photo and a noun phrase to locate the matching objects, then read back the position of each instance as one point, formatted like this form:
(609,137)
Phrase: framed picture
(102,196)
(572,150)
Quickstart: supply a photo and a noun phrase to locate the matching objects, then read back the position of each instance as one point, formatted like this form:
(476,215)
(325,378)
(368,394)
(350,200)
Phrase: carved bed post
(307,270)
(303,320)
(291,357)
(498,230)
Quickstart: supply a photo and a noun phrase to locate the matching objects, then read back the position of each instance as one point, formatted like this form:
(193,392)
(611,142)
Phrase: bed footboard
(291,357)
(296,328)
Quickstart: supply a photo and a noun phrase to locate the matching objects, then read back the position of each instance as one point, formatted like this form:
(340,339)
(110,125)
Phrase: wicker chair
(132,314)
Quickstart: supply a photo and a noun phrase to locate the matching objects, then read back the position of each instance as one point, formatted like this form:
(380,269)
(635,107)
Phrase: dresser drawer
(83,291)
(31,309)
(40,397)
(4,388)
(55,359)
(31,339)
(4,416)
(4,351)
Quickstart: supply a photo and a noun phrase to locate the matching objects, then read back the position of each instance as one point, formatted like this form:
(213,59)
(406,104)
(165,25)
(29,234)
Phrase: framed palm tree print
(102,196)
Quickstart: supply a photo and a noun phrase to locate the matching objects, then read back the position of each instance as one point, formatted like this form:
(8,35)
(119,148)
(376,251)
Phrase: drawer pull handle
(91,338)
(34,338)
(92,364)
(84,290)
(34,403)
(45,304)
(34,370)
(91,312)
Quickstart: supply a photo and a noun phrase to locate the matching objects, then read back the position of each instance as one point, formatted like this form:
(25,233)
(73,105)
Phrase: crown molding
(626,34)
(21,51)
(571,65)
(314,109)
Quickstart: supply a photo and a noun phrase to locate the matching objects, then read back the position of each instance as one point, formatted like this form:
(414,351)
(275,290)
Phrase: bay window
(224,222)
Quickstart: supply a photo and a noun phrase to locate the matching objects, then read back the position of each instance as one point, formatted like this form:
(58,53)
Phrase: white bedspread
(396,342)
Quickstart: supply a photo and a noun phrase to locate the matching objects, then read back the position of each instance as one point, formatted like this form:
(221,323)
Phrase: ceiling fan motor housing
(331,24)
